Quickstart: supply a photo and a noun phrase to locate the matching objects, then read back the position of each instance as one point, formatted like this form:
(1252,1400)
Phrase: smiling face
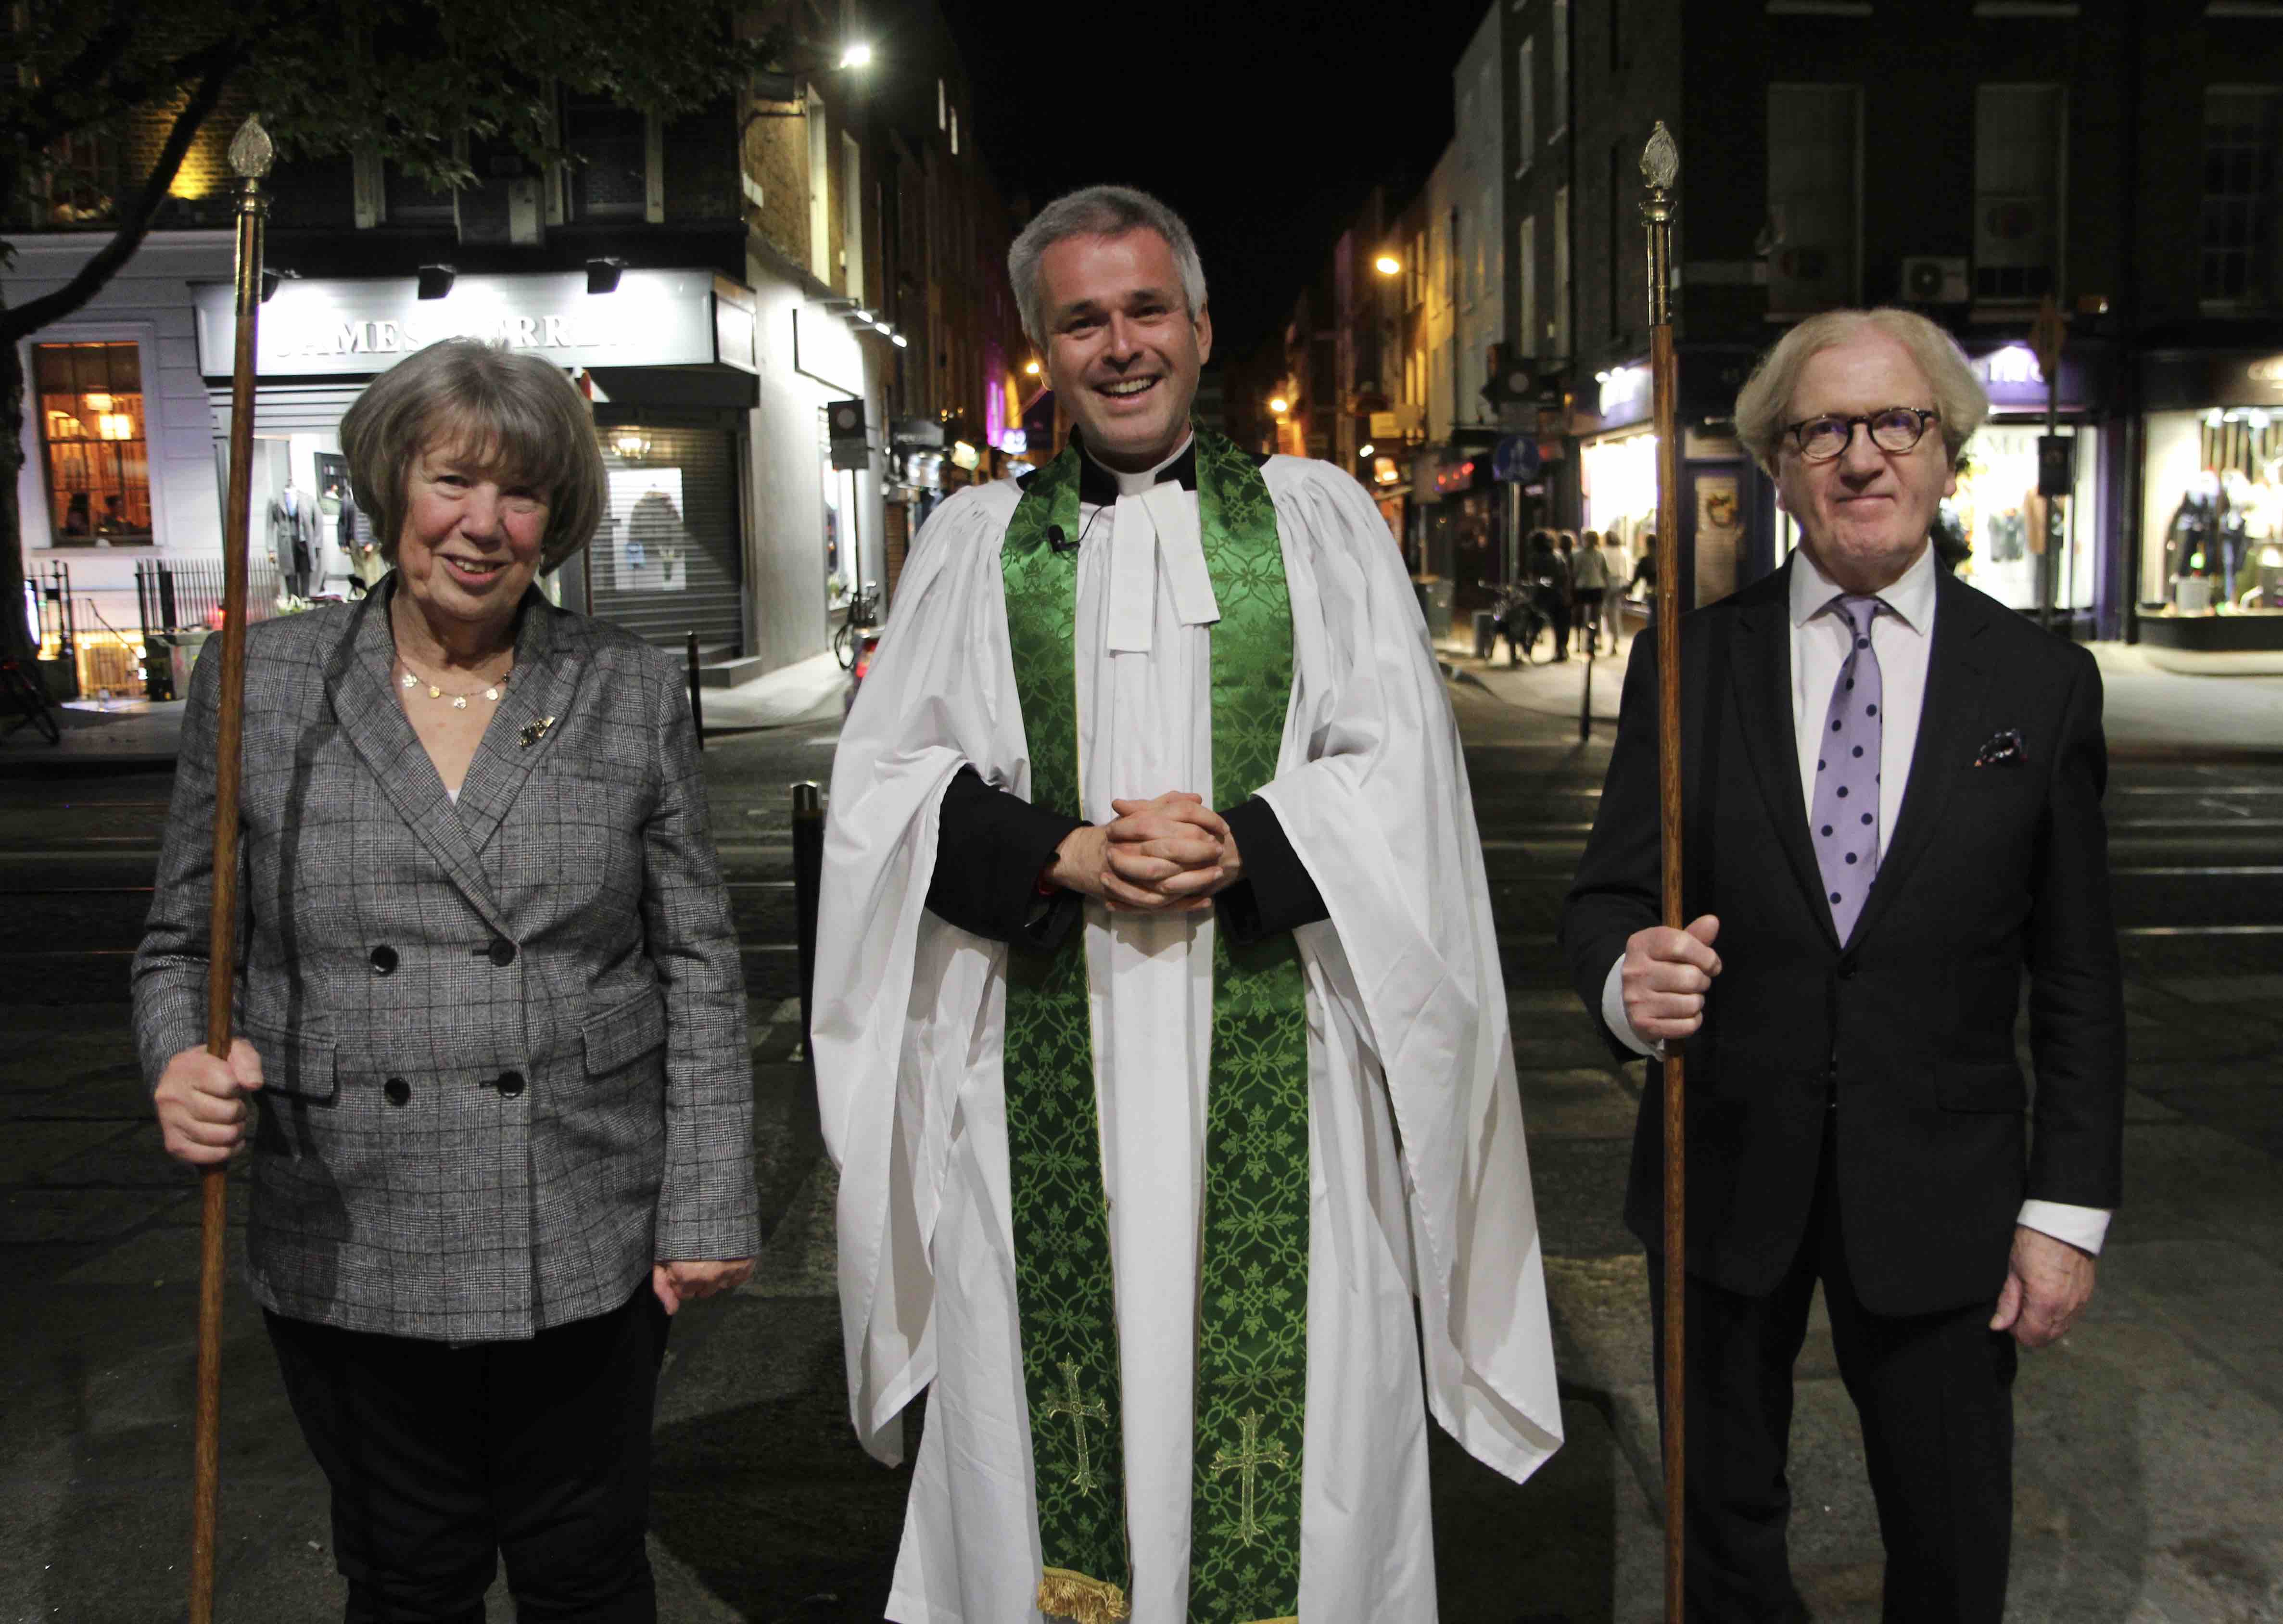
(470,543)
(1865,515)
(1123,350)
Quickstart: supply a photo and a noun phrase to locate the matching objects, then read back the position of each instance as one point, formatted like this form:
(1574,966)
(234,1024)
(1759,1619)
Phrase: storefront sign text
(327,328)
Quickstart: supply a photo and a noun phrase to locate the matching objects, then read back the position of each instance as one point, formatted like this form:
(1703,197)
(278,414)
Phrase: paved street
(2149,1488)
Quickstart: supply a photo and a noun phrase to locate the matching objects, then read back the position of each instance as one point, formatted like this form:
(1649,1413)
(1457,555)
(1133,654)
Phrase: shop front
(2022,549)
(2209,570)
(1617,479)
(668,357)
(1997,533)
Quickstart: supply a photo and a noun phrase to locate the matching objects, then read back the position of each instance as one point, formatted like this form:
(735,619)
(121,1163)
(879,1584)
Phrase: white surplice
(1406,1009)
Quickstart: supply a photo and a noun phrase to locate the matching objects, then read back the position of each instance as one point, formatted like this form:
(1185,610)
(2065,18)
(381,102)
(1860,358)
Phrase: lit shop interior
(2212,536)
(1997,516)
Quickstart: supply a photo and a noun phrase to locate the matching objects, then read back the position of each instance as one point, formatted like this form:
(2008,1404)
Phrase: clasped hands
(1172,855)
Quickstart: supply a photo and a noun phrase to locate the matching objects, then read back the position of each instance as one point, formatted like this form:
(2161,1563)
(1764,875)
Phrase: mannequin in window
(2239,499)
(2189,538)
(293,537)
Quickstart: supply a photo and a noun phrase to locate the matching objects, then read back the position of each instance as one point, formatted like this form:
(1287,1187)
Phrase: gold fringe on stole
(1065,1594)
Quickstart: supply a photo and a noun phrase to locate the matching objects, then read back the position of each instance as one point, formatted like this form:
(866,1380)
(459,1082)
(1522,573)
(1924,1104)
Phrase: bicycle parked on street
(863,613)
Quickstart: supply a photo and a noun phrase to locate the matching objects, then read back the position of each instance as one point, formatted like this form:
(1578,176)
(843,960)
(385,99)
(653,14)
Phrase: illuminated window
(98,469)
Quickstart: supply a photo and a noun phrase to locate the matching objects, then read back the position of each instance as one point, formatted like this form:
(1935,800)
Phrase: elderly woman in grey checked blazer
(491,1088)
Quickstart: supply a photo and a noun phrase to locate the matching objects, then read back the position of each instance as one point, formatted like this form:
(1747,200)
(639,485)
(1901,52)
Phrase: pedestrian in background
(1589,582)
(1893,787)
(491,1082)
(1549,580)
(1619,569)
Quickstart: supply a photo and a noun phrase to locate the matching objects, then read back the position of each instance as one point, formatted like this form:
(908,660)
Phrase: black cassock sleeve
(1276,892)
(992,847)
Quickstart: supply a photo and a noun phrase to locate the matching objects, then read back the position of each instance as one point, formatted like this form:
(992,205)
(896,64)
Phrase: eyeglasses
(1896,429)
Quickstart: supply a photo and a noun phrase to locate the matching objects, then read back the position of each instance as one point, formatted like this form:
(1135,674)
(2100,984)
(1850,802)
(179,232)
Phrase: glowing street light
(1030,369)
(1387,265)
(1367,449)
(858,55)
(1279,405)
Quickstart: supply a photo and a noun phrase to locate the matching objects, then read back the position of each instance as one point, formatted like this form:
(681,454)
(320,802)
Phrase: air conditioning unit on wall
(1931,279)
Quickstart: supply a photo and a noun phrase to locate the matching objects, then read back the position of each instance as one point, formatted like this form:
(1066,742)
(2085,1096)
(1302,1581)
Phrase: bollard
(696,698)
(807,879)
(1586,708)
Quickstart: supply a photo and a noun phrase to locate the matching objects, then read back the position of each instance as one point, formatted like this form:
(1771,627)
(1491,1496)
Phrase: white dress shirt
(1902,634)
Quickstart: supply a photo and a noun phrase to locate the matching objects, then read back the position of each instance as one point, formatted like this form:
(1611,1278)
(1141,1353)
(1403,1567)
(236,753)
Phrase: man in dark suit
(1892,788)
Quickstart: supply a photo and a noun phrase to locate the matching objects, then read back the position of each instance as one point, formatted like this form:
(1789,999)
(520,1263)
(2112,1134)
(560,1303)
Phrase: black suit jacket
(1906,1030)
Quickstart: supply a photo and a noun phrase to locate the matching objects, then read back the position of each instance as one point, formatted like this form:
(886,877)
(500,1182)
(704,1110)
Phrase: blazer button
(397,1090)
(510,1084)
(502,952)
(1847,968)
(383,959)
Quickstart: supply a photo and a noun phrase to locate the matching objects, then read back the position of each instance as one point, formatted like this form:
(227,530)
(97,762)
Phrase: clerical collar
(1101,487)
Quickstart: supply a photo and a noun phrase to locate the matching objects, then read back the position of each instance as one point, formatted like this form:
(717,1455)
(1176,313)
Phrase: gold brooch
(533,731)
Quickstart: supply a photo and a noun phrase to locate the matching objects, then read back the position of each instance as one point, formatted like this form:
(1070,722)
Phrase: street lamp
(1030,369)
(1388,265)
(1279,405)
(858,55)
(1365,450)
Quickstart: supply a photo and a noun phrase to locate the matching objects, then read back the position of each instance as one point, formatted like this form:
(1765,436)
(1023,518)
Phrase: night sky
(1265,122)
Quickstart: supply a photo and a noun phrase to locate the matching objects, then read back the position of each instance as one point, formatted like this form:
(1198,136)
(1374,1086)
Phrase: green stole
(1251,1357)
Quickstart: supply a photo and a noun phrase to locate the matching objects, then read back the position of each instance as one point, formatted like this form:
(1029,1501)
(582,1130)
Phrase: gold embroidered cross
(1080,1412)
(1247,1461)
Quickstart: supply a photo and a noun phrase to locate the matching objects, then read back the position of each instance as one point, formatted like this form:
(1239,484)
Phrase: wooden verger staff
(1660,168)
(250,156)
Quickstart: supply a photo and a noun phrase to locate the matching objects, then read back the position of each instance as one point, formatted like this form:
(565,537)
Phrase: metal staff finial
(1660,167)
(1660,161)
(251,152)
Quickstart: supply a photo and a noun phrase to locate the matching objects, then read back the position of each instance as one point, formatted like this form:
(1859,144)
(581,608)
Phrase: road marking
(2266,869)
(2229,823)
(2201,930)
(62,855)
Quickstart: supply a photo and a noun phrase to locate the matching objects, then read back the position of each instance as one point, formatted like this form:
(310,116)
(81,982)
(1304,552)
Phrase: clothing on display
(293,537)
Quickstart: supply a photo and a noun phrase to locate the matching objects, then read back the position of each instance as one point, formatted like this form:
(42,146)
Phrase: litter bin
(182,652)
(1485,632)
(1434,604)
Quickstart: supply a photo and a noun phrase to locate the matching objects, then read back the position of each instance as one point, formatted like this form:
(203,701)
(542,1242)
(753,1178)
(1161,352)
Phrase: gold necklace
(436,691)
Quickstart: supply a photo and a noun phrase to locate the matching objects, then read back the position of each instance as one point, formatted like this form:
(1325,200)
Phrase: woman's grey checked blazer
(502,1042)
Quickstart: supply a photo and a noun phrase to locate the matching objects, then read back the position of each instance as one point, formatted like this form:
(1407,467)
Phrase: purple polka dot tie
(1845,817)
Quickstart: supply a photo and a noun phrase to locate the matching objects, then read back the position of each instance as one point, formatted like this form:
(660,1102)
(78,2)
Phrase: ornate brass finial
(1660,162)
(251,151)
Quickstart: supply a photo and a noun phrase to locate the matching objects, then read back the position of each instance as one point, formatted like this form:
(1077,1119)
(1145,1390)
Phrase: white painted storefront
(799,521)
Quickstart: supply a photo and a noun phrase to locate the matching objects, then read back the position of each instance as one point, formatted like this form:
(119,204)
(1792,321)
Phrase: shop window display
(1996,521)
(1997,513)
(2213,522)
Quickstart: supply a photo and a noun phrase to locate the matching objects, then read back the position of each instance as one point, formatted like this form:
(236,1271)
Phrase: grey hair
(511,413)
(1764,404)
(1097,211)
